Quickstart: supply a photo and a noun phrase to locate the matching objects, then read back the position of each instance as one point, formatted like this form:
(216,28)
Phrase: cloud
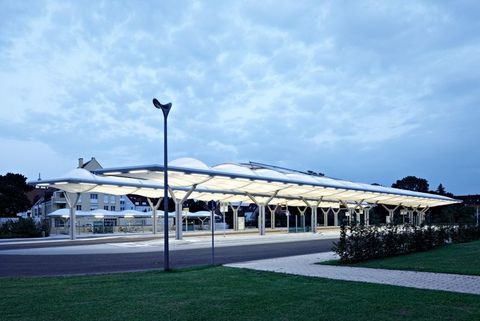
(296,84)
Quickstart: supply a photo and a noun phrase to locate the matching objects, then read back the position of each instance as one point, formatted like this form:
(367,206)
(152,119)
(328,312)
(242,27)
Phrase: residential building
(49,200)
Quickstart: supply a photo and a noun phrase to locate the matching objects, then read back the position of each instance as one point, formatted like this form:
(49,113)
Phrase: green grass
(220,293)
(463,258)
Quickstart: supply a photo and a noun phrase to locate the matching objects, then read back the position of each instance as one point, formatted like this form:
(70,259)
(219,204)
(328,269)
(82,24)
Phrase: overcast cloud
(367,91)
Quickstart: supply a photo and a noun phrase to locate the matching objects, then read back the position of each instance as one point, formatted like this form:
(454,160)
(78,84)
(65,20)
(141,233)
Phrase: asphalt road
(50,265)
(64,242)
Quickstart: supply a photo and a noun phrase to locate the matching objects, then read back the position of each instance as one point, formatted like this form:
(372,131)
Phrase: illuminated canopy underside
(235,183)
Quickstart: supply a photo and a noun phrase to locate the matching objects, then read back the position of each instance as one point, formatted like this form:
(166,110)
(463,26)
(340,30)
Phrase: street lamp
(165,109)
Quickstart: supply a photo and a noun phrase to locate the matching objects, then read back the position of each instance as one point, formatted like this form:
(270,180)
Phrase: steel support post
(325,215)
(261,217)
(272,216)
(350,216)
(72,200)
(261,211)
(314,210)
(235,217)
(224,212)
(313,213)
(178,210)
(302,215)
(178,220)
(366,216)
(421,219)
(154,208)
(335,216)
(391,212)
(288,217)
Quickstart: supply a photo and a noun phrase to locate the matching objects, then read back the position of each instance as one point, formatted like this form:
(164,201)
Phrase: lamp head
(165,108)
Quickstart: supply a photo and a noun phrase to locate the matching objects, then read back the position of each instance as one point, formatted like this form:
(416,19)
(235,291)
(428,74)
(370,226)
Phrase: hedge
(360,243)
(24,227)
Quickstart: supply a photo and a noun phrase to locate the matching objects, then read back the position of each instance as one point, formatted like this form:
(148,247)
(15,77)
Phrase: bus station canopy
(239,183)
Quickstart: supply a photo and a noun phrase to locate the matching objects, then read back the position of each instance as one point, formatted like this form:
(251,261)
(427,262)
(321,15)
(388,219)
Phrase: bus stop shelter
(256,183)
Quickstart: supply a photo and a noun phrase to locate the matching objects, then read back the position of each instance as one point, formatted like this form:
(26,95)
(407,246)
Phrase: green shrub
(24,227)
(360,243)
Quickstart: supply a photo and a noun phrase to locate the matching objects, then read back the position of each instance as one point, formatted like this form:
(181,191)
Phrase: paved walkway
(305,265)
(155,245)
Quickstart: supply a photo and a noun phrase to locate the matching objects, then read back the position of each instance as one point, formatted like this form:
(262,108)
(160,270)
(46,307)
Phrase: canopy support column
(235,216)
(314,211)
(302,214)
(421,214)
(366,216)
(287,214)
(178,211)
(261,211)
(154,213)
(357,214)
(391,212)
(325,215)
(72,200)
(272,216)
(335,216)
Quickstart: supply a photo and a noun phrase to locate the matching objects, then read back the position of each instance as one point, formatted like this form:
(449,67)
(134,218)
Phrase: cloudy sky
(366,91)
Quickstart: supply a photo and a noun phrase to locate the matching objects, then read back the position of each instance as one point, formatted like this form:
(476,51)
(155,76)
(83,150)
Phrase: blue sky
(366,91)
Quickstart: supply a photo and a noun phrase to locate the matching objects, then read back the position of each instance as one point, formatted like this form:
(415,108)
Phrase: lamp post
(165,109)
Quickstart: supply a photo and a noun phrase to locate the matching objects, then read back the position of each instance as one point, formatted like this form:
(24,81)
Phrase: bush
(360,243)
(24,227)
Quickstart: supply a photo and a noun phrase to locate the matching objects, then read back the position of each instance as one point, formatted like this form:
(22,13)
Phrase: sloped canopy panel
(235,183)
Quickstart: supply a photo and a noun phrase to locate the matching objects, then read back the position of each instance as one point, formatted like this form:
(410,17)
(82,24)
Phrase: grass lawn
(463,258)
(220,293)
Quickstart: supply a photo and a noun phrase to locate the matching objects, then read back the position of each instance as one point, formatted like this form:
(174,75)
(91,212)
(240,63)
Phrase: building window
(105,198)
(105,207)
(94,198)
(112,199)
(79,207)
(122,208)
(110,222)
(112,208)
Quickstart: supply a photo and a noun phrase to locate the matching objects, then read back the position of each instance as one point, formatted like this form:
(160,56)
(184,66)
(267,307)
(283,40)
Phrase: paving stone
(306,265)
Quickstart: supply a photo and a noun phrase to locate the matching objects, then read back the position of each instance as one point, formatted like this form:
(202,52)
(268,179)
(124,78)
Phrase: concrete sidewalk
(188,243)
(306,265)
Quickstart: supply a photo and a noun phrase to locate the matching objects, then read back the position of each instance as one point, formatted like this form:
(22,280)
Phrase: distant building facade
(49,200)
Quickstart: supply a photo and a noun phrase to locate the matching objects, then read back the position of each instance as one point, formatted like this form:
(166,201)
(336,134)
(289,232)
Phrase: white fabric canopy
(238,182)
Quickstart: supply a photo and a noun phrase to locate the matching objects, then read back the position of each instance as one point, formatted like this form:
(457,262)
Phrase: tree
(440,190)
(412,183)
(12,194)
